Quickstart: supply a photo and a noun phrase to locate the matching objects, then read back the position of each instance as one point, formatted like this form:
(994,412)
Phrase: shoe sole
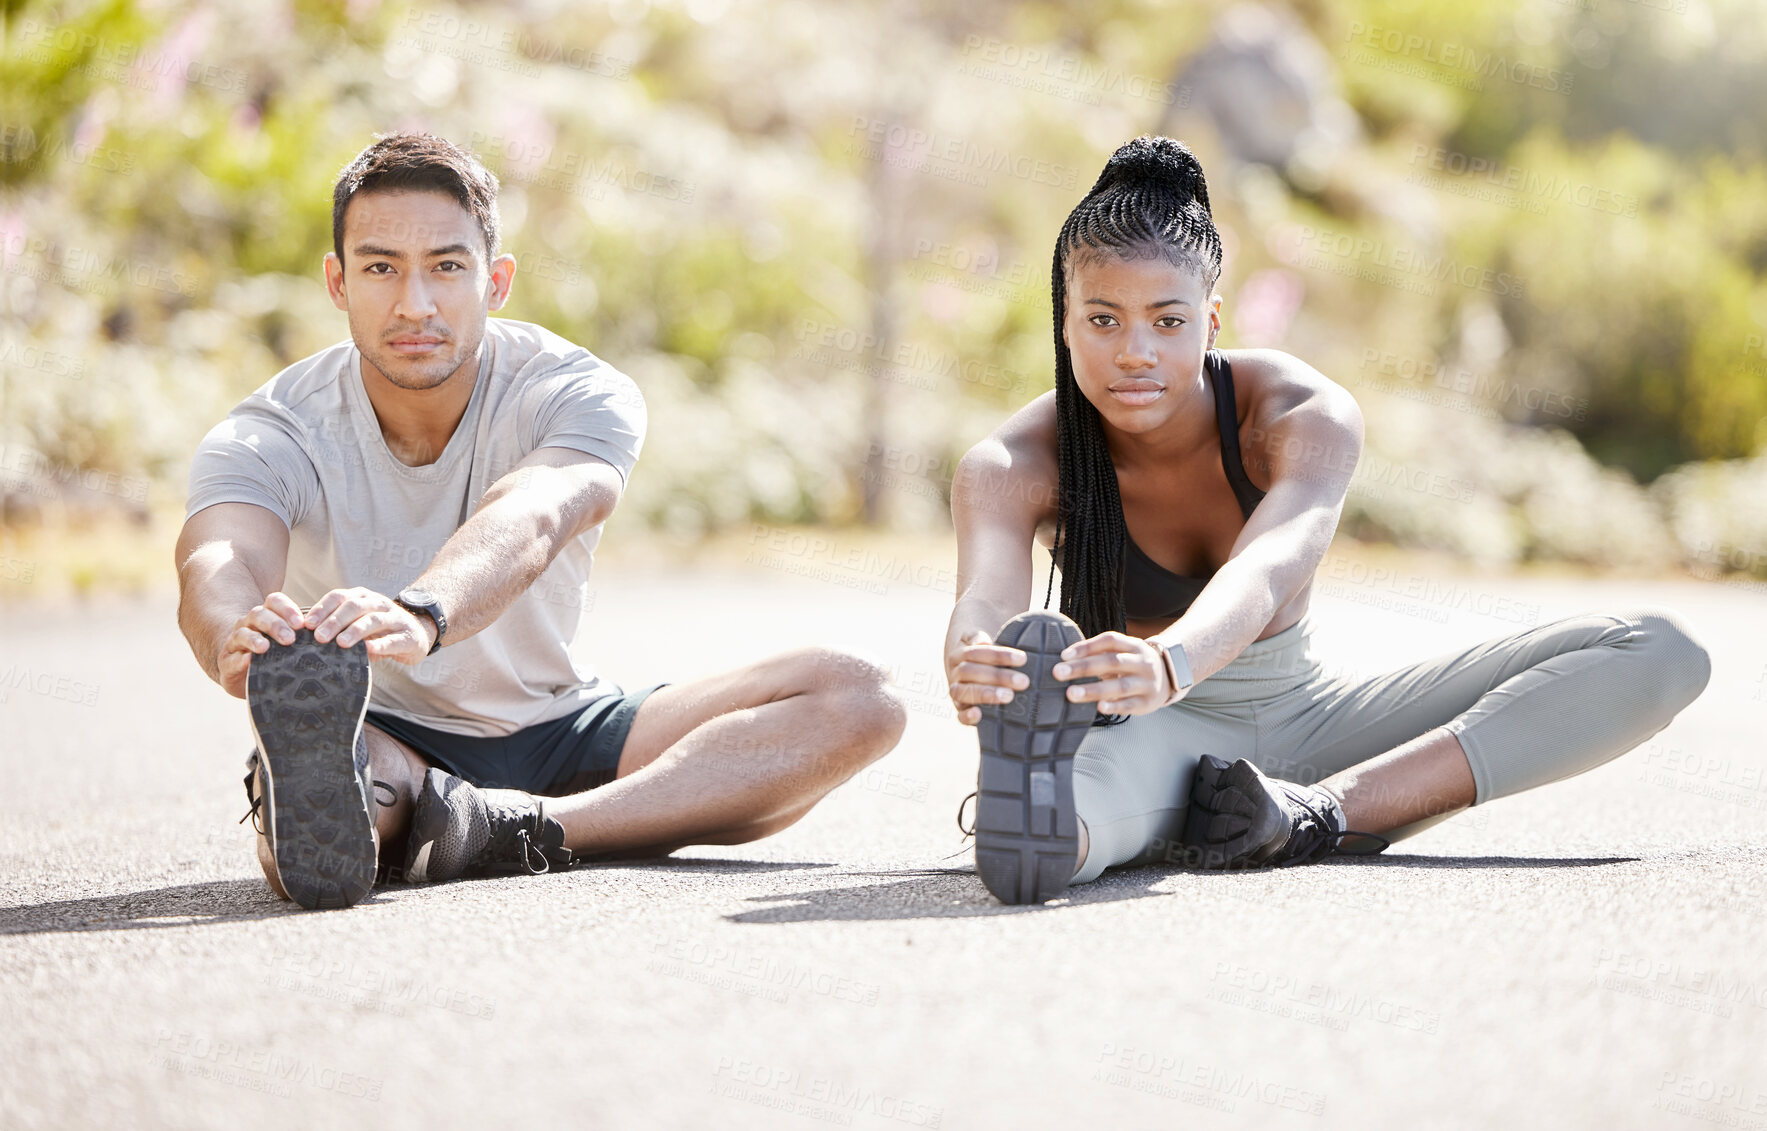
(307,702)
(1027,835)
(1223,797)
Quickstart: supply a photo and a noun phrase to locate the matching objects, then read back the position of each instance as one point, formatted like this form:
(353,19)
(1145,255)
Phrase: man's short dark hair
(412,162)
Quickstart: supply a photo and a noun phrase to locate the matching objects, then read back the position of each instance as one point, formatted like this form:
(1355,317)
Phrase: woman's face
(1137,330)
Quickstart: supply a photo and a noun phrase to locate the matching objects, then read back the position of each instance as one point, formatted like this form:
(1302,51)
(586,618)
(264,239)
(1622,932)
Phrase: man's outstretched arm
(231,559)
(524,520)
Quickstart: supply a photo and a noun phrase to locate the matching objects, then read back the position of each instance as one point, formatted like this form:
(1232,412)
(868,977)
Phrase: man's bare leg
(739,756)
(722,760)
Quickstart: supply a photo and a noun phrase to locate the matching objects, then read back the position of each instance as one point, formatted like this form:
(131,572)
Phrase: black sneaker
(458,829)
(1027,837)
(307,702)
(1241,819)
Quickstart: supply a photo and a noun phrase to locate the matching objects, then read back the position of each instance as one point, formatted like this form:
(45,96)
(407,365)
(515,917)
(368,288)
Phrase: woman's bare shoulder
(1024,441)
(1271,381)
(1012,475)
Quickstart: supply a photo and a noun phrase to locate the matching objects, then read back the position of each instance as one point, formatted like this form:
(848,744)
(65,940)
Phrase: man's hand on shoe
(392,631)
(277,618)
(982,672)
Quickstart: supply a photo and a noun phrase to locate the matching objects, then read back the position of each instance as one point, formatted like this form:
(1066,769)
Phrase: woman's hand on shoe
(982,672)
(1131,674)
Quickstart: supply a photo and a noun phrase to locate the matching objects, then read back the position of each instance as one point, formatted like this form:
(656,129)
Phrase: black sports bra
(1150,590)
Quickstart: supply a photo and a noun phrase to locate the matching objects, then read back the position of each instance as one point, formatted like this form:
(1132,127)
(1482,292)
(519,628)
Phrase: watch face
(417,597)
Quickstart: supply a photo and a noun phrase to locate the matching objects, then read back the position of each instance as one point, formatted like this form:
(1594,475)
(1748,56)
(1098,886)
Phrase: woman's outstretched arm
(1004,488)
(1305,442)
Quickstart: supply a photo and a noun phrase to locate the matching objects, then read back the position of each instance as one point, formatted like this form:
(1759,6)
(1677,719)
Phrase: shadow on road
(933,893)
(186,905)
(702,865)
(1393,860)
(950,893)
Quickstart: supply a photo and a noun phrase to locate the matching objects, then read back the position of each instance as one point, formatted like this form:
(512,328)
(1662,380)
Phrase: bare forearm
(490,561)
(215,590)
(501,550)
(1235,607)
(972,613)
(1227,616)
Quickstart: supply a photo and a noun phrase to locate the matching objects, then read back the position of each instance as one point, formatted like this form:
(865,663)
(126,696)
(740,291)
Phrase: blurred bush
(818,234)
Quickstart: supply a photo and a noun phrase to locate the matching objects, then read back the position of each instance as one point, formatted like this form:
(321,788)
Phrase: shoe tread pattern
(1027,834)
(307,701)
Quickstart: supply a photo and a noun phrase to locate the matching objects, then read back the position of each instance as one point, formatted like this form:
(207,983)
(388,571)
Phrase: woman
(1198,490)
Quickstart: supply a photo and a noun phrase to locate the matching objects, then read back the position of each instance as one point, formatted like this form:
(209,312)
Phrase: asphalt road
(1587,955)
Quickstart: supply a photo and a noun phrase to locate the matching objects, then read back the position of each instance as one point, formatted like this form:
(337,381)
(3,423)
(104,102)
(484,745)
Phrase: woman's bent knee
(1681,666)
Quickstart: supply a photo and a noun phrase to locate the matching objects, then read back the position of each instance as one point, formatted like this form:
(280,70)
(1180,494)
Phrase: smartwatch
(1177,667)
(422,601)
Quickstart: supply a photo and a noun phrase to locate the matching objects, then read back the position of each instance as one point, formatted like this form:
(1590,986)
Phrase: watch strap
(1178,676)
(430,609)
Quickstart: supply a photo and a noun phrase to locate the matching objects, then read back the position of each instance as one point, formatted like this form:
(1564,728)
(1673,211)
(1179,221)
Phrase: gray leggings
(1528,709)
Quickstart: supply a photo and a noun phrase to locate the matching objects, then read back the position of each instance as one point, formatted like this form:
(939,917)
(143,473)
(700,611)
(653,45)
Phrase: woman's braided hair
(1150,202)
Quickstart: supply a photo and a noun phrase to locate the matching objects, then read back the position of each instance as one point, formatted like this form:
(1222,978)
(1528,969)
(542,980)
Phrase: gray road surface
(1588,955)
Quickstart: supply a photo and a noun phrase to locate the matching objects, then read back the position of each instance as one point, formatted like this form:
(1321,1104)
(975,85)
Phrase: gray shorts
(1528,709)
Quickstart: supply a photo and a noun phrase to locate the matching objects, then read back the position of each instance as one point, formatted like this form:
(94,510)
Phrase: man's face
(416,285)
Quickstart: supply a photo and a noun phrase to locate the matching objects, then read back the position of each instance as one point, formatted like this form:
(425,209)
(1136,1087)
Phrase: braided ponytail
(1150,202)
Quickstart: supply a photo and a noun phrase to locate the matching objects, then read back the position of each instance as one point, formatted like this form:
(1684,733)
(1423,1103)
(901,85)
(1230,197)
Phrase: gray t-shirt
(307,446)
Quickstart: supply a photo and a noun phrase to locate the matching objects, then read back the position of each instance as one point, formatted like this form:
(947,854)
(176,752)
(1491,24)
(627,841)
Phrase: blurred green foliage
(710,196)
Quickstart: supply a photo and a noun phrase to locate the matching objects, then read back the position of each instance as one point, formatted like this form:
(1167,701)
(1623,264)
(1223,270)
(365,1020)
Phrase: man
(427,497)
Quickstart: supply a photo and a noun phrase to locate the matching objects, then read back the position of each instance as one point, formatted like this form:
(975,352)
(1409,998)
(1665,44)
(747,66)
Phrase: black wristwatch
(422,601)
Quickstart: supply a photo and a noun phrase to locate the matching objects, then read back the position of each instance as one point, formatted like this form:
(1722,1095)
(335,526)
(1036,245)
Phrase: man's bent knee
(868,698)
